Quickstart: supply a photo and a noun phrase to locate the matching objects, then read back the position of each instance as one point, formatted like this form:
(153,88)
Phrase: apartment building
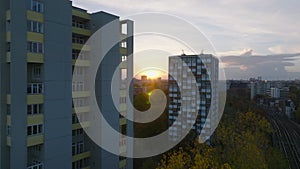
(192,91)
(40,44)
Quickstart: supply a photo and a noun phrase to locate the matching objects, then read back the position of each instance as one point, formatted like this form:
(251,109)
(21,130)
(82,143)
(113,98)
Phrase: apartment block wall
(104,80)
(58,85)
(4,82)
(54,144)
(204,69)
(18,82)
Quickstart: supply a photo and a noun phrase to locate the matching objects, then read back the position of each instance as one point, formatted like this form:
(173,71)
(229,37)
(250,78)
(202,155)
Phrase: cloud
(253,28)
(280,49)
(267,66)
(229,24)
(243,67)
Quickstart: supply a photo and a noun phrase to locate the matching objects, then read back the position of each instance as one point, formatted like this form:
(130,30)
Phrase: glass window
(29,130)
(34,129)
(35,47)
(36,71)
(124,44)
(124,58)
(34,26)
(37,6)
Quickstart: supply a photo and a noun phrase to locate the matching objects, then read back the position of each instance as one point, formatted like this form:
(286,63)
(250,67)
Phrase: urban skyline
(149,85)
(270,42)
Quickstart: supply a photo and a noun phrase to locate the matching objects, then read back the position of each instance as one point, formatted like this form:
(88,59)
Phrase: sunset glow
(152,74)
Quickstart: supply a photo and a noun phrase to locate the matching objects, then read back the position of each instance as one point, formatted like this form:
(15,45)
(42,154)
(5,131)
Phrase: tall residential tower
(192,91)
(40,43)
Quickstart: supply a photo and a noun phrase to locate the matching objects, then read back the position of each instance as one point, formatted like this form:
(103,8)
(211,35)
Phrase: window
(79,117)
(123,74)
(74,119)
(79,102)
(80,163)
(124,44)
(8,130)
(35,47)
(122,158)
(77,148)
(78,24)
(78,86)
(34,26)
(34,109)
(75,54)
(78,39)
(124,58)
(77,132)
(35,148)
(34,129)
(124,28)
(8,109)
(35,88)
(122,100)
(79,71)
(37,6)
(36,71)
(123,129)
(8,47)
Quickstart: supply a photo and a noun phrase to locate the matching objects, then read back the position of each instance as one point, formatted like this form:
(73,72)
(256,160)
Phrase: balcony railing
(35,88)
(36,165)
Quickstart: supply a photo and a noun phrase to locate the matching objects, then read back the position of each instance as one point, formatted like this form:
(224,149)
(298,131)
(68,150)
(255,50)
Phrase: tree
(141,102)
(297,114)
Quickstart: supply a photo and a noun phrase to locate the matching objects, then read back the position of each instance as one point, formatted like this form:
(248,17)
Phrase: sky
(251,37)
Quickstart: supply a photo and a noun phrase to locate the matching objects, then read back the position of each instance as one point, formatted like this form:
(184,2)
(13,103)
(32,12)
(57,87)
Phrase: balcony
(78,46)
(35,37)
(123,51)
(122,145)
(122,163)
(8,37)
(81,156)
(81,31)
(35,140)
(82,63)
(123,107)
(81,109)
(35,16)
(31,119)
(35,165)
(31,57)
(78,94)
(81,125)
(123,121)
(35,119)
(81,14)
(31,99)
(8,16)
(123,65)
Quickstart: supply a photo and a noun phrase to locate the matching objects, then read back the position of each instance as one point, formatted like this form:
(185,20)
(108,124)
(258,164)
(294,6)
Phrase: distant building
(145,85)
(289,108)
(259,87)
(239,87)
(284,92)
(274,92)
(206,83)
(144,78)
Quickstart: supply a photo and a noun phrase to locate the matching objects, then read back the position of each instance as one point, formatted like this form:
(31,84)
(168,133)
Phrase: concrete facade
(40,41)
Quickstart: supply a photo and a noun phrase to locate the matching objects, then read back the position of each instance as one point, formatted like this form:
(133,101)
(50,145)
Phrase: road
(287,137)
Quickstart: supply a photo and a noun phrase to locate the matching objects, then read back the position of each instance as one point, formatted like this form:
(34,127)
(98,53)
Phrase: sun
(152,74)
